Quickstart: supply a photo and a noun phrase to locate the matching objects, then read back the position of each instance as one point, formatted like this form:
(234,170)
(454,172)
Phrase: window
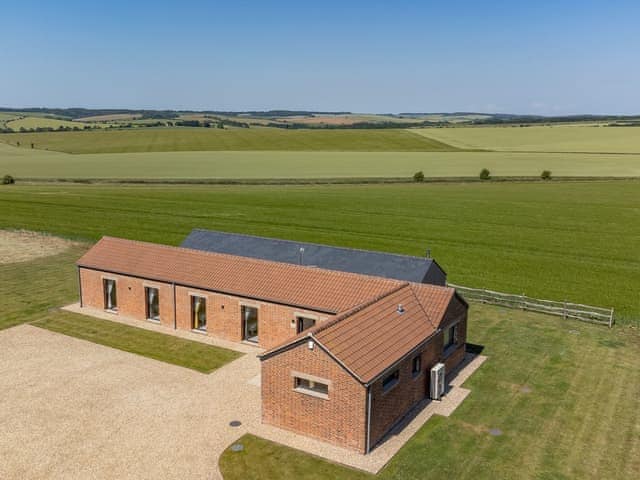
(304,323)
(199,313)
(390,380)
(416,365)
(450,336)
(312,387)
(110,299)
(250,323)
(153,303)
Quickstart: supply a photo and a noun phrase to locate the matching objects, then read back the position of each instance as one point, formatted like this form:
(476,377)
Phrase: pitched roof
(372,337)
(380,264)
(305,287)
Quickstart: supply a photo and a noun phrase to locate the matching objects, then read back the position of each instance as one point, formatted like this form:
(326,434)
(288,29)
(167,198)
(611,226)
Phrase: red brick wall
(390,407)
(387,408)
(276,323)
(129,293)
(340,419)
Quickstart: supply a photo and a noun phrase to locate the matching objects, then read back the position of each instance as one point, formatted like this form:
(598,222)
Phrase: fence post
(611,318)
(564,309)
(523,304)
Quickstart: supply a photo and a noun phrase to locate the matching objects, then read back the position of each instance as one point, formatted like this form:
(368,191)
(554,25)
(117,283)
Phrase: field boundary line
(578,311)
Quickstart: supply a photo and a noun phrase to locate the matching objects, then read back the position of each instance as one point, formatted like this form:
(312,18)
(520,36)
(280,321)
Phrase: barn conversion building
(346,355)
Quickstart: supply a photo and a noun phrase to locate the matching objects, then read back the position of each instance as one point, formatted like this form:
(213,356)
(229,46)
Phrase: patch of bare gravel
(22,245)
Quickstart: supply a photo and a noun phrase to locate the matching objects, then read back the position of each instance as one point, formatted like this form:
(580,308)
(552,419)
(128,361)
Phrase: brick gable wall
(340,419)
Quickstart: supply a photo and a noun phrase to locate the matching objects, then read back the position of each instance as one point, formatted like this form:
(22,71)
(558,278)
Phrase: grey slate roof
(388,265)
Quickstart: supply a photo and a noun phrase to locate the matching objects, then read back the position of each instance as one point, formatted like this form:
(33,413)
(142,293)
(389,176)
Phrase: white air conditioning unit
(437,381)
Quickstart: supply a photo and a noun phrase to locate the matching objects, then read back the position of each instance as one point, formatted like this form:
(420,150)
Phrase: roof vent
(400,309)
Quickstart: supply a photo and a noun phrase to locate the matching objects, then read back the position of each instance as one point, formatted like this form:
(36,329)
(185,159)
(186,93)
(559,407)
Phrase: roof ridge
(404,255)
(352,311)
(337,319)
(253,260)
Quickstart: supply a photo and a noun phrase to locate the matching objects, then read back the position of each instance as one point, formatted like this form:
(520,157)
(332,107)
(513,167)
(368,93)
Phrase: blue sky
(543,57)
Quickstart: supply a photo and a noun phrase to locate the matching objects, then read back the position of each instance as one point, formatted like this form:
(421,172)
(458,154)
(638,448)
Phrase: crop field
(563,395)
(25,162)
(207,139)
(563,138)
(41,122)
(562,241)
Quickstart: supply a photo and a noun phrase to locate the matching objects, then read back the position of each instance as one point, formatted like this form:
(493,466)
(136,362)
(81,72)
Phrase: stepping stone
(237,447)
(495,432)
(235,423)
(525,389)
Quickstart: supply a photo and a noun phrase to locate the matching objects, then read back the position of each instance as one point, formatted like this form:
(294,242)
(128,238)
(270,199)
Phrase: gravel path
(74,409)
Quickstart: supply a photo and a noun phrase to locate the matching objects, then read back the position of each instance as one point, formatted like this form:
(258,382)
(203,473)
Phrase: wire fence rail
(578,311)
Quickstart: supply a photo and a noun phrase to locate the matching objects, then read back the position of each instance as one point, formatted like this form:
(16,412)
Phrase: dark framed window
(416,365)
(249,323)
(110,297)
(391,380)
(304,323)
(152,298)
(305,385)
(199,313)
(450,336)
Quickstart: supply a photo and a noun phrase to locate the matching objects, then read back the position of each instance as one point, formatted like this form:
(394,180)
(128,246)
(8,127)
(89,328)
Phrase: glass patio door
(250,323)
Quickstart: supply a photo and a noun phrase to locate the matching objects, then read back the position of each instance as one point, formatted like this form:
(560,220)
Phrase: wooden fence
(578,311)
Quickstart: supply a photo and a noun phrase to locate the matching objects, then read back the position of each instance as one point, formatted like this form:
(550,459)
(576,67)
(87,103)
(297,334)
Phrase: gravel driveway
(73,409)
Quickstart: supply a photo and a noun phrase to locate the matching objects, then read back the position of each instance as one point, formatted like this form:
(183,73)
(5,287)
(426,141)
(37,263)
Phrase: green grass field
(579,421)
(25,162)
(212,139)
(562,241)
(165,348)
(559,138)
(32,291)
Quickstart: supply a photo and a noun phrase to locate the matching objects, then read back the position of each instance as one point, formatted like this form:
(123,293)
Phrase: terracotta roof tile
(308,287)
(372,337)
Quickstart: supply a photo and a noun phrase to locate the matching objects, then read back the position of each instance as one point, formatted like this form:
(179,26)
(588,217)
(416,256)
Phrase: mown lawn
(580,419)
(33,291)
(562,241)
(178,351)
(208,139)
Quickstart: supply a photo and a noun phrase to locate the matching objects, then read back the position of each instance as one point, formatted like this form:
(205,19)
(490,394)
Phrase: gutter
(208,289)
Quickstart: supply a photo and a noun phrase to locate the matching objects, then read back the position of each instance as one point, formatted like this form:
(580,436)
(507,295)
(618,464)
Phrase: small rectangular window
(449,336)
(153,303)
(199,313)
(416,365)
(110,298)
(390,380)
(305,385)
(305,323)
